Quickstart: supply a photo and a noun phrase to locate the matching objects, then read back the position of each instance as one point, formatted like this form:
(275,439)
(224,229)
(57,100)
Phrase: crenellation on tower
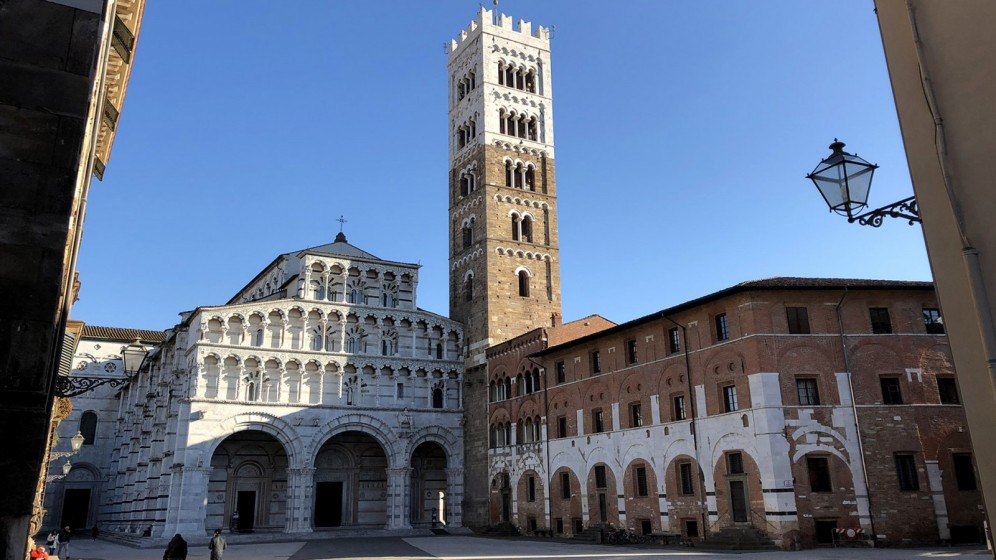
(522,32)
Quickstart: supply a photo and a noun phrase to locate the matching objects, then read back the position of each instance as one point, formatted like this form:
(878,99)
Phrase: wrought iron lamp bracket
(906,209)
(71,386)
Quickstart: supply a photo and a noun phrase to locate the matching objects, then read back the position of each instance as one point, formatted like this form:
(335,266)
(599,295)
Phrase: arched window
(527,229)
(521,126)
(531,81)
(439,351)
(508,387)
(508,173)
(519,175)
(468,288)
(523,283)
(257,337)
(515,227)
(88,427)
(537,429)
(464,185)
(501,73)
(351,344)
(315,342)
(532,129)
(437,397)
(530,178)
(501,122)
(354,296)
(468,234)
(251,391)
(317,289)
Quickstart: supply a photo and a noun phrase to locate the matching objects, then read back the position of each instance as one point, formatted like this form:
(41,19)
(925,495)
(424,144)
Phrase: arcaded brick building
(792,407)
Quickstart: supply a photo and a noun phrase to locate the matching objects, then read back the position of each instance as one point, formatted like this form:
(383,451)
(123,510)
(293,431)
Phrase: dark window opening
(523,283)
(531,489)
(691,528)
(964,472)
(598,421)
(630,352)
(600,476)
(596,363)
(798,320)
(565,486)
(730,403)
(809,394)
(906,472)
(561,426)
(932,321)
(890,391)
(722,328)
(947,390)
(678,410)
(641,481)
(685,476)
(561,372)
(636,415)
(735,463)
(88,427)
(819,474)
(673,340)
(880,322)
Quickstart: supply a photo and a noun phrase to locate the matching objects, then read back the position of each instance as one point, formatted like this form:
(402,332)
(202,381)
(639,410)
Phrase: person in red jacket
(39,552)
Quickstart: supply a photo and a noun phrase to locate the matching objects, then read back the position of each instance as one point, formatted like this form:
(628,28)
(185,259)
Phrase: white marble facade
(319,397)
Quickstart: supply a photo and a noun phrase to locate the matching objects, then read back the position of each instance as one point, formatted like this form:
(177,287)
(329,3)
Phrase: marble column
(300,483)
(398,496)
(454,497)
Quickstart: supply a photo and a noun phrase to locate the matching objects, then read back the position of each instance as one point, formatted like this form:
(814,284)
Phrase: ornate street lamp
(845,179)
(76,442)
(132,357)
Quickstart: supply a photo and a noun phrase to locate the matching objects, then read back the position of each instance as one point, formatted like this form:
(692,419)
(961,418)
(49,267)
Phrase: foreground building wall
(943,77)
(786,424)
(64,68)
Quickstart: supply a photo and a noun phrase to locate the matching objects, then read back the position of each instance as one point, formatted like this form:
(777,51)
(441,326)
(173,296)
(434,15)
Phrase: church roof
(342,248)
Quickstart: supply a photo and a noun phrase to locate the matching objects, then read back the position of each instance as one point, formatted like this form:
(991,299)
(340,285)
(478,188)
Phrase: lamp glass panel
(859,177)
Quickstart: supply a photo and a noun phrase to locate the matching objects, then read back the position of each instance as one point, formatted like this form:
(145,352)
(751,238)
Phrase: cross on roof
(342,222)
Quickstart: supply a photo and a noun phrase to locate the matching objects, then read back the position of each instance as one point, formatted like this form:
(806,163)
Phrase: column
(299,484)
(188,499)
(454,497)
(398,496)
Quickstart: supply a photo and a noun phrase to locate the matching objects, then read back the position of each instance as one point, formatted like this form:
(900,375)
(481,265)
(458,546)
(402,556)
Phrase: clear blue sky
(683,130)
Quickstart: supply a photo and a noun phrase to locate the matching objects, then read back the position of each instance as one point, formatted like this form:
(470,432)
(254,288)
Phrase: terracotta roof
(117,333)
(776,283)
(576,329)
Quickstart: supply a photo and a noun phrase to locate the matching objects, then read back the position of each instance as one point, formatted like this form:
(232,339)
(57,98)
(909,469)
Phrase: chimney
(555,319)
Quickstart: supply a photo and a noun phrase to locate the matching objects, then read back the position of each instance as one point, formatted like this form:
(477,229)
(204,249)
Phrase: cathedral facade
(318,397)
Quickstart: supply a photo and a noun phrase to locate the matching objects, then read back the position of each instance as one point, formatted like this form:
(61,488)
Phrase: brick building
(787,407)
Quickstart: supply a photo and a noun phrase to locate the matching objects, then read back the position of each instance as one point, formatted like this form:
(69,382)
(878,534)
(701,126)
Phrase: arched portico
(428,485)
(247,487)
(350,482)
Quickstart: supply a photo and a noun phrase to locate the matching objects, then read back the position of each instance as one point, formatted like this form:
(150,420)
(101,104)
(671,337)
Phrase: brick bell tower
(504,251)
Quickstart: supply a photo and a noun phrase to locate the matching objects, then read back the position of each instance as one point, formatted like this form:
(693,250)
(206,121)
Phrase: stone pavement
(479,548)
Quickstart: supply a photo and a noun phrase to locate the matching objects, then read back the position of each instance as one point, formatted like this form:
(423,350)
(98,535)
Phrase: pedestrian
(65,536)
(235,521)
(52,541)
(95,532)
(217,545)
(176,549)
(39,552)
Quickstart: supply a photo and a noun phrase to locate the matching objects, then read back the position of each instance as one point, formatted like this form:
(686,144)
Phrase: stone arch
(264,422)
(355,422)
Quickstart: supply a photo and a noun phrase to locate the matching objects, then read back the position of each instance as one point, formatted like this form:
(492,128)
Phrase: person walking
(52,541)
(95,532)
(65,536)
(176,549)
(217,545)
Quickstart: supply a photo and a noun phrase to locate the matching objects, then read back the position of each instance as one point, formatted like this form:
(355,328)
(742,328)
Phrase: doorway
(245,504)
(826,531)
(738,501)
(328,504)
(75,508)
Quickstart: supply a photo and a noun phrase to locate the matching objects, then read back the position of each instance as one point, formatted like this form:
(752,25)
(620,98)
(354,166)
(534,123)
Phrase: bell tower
(504,255)
(504,252)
